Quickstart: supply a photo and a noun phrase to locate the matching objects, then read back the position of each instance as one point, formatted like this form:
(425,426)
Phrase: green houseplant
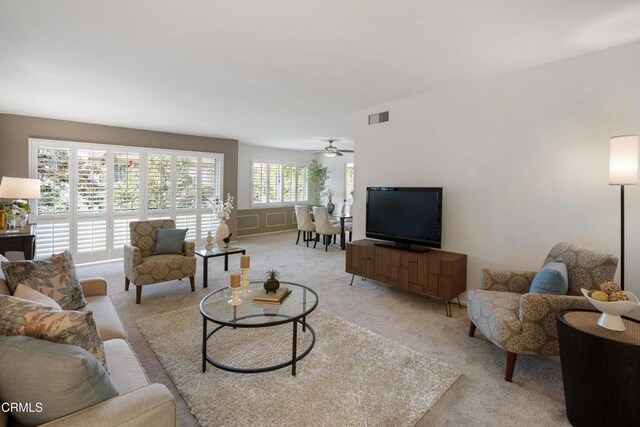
(272,284)
(317,180)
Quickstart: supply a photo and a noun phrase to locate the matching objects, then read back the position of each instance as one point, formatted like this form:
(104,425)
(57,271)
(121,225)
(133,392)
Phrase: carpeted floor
(352,376)
(479,397)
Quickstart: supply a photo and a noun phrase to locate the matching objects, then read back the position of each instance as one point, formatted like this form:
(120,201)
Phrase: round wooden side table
(600,370)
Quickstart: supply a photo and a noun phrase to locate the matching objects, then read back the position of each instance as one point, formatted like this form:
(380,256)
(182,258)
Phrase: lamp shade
(623,160)
(19,188)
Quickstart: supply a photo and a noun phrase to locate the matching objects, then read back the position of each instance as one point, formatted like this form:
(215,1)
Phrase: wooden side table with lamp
(21,237)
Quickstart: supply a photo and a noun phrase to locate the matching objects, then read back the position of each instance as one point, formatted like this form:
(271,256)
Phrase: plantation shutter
(301,188)
(275,183)
(259,180)
(159,181)
(52,209)
(289,184)
(91,202)
(126,196)
(210,191)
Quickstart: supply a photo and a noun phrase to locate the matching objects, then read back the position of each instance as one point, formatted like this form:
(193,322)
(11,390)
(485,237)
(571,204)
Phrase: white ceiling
(281,73)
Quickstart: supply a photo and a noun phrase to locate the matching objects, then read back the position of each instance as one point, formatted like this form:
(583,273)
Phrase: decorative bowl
(612,310)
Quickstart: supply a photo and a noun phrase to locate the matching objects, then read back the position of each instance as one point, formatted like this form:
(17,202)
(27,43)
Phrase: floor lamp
(623,170)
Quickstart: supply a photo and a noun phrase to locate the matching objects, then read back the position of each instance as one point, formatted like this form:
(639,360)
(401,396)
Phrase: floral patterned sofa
(521,322)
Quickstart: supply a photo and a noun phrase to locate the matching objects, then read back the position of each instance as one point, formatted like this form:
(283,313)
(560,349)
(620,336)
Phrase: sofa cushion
(4,290)
(55,277)
(126,372)
(106,318)
(170,241)
(551,279)
(61,378)
(29,294)
(22,317)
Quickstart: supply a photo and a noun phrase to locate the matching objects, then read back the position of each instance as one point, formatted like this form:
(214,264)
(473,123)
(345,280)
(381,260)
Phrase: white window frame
(279,203)
(143,213)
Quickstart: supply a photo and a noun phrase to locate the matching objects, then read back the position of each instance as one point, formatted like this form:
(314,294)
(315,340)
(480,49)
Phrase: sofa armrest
(541,309)
(152,405)
(506,280)
(132,258)
(94,286)
(189,249)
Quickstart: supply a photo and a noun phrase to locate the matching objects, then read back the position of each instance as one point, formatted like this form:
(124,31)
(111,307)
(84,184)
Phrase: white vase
(222,232)
(209,245)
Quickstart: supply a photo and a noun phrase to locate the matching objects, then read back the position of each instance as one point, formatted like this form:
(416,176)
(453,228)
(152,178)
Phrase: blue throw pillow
(552,279)
(170,241)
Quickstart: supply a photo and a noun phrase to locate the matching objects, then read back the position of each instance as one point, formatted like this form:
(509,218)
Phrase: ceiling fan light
(330,153)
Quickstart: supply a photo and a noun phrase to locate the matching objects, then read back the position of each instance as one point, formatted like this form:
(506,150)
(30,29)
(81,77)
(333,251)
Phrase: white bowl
(612,310)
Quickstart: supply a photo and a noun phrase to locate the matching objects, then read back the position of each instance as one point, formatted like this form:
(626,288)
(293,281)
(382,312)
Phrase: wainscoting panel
(266,220)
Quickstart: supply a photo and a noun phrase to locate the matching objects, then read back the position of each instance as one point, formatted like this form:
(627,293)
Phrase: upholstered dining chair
(305,224)
(144,268)
(524,323)
(324,227)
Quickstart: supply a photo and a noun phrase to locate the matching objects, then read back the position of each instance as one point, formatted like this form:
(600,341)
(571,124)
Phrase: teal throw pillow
(552,279)
(170,241)
(54,379)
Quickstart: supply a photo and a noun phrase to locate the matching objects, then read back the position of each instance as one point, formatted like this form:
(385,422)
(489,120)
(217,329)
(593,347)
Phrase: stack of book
(262,297)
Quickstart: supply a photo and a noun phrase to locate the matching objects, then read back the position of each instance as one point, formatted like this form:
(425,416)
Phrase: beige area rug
(351,377)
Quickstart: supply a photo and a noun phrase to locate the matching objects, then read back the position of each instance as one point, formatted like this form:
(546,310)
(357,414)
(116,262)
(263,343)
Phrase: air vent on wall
(378,118)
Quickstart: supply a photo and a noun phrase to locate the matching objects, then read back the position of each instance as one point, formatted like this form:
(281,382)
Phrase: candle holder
(244,283)
(235,297)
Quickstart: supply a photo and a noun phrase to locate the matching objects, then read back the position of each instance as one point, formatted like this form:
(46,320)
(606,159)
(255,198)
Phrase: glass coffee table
(294,309)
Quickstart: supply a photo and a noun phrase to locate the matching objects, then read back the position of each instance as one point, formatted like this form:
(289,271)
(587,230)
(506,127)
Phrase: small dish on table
(613,310)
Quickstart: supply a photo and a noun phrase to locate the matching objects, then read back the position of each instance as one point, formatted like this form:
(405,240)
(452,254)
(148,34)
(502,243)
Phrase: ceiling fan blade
(347,151)
(339,153)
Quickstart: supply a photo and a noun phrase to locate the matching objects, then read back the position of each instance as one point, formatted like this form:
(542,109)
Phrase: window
(91,192)
(349,182)
(277,183)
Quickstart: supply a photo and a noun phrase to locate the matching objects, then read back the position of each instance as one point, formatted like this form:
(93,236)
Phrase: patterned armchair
(143,268)
(520,322)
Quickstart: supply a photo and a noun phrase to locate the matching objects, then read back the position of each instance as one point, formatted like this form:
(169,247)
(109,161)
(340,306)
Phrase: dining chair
(305,223)
(324,226)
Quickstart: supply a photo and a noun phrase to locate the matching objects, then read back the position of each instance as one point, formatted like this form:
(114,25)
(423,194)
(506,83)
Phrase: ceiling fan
(331,151)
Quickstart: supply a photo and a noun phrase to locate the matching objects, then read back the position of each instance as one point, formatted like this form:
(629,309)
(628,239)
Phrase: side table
(205,254)
(600,370)
(20,240)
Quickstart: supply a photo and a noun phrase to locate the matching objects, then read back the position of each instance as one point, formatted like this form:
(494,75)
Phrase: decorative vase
(221,233)
(271,285)
(330,207)
(209,245)
(23,219)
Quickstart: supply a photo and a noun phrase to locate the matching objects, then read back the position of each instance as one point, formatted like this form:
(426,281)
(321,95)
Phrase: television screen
(405,215)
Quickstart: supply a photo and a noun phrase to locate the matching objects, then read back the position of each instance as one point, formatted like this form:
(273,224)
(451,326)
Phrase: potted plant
(272,284)
(316,182)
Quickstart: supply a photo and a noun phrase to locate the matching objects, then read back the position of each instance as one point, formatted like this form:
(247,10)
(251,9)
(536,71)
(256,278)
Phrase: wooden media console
(434,273)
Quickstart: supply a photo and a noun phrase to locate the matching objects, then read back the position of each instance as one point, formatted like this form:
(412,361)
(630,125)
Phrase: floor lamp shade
(623,160)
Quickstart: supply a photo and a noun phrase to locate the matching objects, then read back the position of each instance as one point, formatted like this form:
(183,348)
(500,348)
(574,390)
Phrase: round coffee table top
(300,302)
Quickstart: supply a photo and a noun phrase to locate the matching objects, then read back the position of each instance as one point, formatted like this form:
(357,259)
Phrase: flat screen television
(405,216)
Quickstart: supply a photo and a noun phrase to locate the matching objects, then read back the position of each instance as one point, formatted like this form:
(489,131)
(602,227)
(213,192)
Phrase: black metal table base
(294,351)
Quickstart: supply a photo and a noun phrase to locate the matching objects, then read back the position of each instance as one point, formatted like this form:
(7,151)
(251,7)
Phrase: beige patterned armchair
(520,322)
(142,267)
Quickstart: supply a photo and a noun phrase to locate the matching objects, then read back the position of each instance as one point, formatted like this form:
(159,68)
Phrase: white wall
(336,168)
(523,159)
(248,153)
